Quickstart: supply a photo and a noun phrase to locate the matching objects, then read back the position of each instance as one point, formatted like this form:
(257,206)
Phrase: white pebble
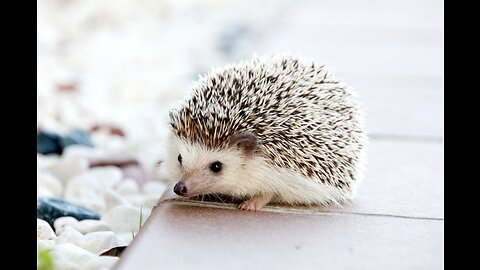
(124,239)
(44,231)
(136,200)
(49,182)
(85,226)
(60,223)
(111,145)
(71,257)
(112,199)
(145,201)
(85,195)
(90,225)
(88,188)
(99,242)
(154,188)
(43,161)
(44,192)
(68,167)
(82,151)
(150,201)
(127,187)
(123,219)
(107,176)
(95,242)
(45,244)
(69,235)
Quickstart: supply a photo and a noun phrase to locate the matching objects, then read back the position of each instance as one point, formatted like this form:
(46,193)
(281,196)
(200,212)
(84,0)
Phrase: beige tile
(402,178)
(368,38)
(188,237)
(401,106)
(371,59)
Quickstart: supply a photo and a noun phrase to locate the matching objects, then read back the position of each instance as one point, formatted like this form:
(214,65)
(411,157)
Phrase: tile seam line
(272,209)
(404,138)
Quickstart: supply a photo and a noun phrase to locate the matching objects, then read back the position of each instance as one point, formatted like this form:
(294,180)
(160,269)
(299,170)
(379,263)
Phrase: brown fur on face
(244,141)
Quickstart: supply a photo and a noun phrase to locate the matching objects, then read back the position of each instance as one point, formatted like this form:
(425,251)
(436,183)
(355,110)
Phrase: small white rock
(69,256)
(127,187)
(68,167)
(60,223)
(124,239)
(112,199)
(95,242)
(109,175)
(123,219)
(85,226)
(106,176)
(111,145)
(136,200)
(69,235)
(150,201)
(44,192)
(88,188)
(143,201)
(98,242)
(86,196)
(44,161)
(154,188)
(82,151)
(45,244)
(90,225)
(50,183)
(44,231)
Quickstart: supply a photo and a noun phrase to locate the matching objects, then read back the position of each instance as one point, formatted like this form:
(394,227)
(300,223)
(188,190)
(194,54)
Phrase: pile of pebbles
(89,202)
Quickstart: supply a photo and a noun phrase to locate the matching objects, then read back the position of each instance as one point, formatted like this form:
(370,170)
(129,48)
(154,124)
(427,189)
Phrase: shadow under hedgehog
(278,129)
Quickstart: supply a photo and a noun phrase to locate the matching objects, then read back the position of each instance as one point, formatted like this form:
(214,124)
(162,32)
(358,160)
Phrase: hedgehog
(276,129)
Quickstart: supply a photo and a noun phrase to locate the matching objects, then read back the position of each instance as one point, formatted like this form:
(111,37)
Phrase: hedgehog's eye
(179,158)
(216,166)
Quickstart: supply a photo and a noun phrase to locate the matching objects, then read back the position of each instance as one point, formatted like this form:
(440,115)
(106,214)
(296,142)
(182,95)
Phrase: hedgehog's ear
(245,141)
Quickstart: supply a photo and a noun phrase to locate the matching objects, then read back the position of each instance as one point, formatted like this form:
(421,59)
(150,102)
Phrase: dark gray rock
(76,137)
(48,143)
(49,209)
(51,143)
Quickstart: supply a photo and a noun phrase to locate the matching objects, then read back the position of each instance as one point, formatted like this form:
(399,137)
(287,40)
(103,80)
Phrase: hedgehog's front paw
(256,203)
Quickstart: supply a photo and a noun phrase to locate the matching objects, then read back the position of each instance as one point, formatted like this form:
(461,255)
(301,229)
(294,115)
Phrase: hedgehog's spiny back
(304,119)
(235,97)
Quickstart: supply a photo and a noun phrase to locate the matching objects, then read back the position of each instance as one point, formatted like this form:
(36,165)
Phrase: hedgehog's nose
(180,188)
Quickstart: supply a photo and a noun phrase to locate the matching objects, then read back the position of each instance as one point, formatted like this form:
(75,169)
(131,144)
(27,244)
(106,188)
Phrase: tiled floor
(191,237)
(392,54)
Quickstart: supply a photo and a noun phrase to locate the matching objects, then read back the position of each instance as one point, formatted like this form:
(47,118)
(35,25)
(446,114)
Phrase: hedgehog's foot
(256,203)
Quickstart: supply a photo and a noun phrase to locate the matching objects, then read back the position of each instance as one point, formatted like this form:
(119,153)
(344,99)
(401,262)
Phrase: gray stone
(49,209)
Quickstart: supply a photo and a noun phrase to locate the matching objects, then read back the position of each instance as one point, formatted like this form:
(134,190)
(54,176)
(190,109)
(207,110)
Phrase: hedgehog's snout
(180,189)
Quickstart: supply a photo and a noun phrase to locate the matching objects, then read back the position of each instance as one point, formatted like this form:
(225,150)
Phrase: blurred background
(125,62)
